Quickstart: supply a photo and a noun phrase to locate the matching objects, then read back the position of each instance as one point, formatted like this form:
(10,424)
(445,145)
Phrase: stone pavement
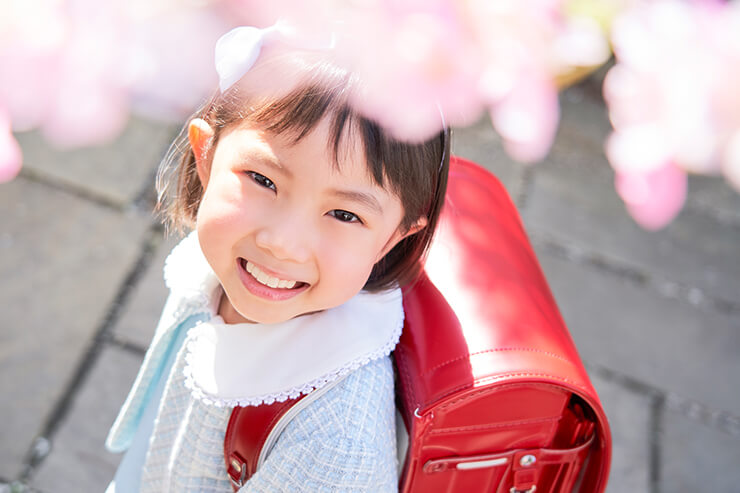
(656,316)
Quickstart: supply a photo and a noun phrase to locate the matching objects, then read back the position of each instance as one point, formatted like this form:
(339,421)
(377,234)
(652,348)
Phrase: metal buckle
(530,490)
(240,468)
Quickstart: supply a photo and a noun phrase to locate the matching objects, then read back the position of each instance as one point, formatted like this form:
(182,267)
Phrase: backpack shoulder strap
(246,434)
(253,430)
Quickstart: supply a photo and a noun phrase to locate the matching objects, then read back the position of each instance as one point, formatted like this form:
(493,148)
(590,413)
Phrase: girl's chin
(237,318)
(234,317)
(257,314)
(231,315)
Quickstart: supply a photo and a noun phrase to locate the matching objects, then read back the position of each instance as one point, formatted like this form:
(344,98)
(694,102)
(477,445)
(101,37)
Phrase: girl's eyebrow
(274,163)
(366,199)
(266,158)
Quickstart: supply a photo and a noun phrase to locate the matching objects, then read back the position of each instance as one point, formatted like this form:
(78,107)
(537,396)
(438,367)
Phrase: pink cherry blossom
(10,151)
(673,97)
(420,64)
(31,35)
(74,68)
(653,198)
(527,118)
(169,58)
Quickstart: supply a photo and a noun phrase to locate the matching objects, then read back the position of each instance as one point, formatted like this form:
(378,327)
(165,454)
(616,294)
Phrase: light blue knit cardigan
(343,441)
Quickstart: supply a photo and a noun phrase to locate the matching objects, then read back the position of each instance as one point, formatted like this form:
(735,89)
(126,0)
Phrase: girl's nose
(284,240)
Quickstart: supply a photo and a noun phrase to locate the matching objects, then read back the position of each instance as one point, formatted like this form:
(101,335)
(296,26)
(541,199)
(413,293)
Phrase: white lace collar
(251,364)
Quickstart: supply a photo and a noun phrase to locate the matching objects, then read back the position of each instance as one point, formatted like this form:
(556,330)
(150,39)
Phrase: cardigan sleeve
(345,441)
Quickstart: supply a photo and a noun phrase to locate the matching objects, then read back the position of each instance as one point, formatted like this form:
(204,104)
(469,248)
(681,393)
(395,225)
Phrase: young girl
(306,218)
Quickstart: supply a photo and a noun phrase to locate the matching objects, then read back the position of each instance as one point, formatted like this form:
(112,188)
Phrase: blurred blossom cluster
(463,57)
(76,68)
(674,102)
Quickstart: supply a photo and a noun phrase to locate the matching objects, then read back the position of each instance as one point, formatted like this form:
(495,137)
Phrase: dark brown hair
(415,172)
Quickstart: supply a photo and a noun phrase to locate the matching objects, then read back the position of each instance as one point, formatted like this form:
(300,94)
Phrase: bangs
(390,162)
(324,92)
(298,113)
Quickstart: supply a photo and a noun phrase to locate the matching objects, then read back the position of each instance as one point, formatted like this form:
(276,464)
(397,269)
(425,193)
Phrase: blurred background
(629,203)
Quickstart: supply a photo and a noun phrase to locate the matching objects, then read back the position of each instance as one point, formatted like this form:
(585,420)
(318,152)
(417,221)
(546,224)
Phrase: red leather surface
(246,433)
(485,347)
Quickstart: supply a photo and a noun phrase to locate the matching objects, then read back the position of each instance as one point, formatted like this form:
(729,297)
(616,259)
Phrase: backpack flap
(493,392)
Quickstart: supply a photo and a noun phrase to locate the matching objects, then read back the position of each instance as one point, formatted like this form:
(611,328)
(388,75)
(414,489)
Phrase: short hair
(416,172)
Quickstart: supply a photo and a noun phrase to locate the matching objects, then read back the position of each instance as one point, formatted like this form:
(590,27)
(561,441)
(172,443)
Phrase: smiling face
(286,230)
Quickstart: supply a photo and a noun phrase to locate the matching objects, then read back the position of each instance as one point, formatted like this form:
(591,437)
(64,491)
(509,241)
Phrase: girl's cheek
(349,258)
(219,216)
(235,202)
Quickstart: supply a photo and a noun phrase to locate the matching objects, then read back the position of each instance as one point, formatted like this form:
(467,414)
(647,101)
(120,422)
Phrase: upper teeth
(267,279)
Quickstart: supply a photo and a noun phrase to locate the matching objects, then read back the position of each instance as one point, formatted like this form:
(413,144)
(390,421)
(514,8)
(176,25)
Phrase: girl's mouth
(267,279)
(265,285)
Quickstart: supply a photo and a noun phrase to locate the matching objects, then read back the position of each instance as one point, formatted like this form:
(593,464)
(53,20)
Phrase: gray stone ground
(655,315)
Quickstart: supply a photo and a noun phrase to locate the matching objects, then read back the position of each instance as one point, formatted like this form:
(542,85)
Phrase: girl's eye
(262,180)
(345,216)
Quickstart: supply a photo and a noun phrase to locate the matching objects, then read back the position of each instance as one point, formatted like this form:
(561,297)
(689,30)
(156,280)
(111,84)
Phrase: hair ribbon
(238,50)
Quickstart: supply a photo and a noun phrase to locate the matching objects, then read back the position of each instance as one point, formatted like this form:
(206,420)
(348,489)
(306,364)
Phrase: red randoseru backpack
(491,389)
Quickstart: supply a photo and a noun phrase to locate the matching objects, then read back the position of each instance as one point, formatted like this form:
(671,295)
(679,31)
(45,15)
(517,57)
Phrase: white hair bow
(238,49)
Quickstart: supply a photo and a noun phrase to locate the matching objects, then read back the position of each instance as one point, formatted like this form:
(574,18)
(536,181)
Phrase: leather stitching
(495,425)
(466,356)
(501,377)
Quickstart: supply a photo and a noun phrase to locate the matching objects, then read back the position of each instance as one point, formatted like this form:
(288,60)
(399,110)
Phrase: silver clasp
(240,468)
(530,490)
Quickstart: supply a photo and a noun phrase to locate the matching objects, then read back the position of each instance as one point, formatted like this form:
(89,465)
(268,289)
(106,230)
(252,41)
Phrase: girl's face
(285,230)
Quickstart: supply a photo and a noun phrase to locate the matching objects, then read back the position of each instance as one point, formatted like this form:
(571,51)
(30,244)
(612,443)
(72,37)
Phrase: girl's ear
(200,135)
(420,224)
(399,235)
